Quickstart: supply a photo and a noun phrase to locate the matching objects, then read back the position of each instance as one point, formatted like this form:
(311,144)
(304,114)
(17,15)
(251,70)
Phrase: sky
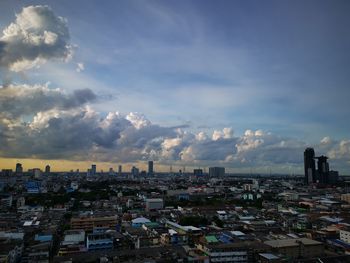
(247,85)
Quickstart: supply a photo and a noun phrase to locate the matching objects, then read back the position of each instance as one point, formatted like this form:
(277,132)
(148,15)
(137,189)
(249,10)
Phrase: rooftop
(291,242)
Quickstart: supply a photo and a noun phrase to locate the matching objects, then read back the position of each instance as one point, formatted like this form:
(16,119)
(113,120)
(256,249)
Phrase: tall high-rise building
(134,171)
(93,169)
(47,169)
(120,170)
(321,175)
(309,166)
(37,173)
(19,168)
(150,167)
(323,169)
(216,171)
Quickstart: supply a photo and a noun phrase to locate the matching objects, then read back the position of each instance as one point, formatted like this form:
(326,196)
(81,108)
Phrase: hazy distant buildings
(150,168)
(216,171)
(6,172)
(197,172)
(19,168)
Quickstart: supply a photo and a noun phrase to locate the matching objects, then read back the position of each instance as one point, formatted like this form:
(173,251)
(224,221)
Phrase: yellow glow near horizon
(60,165)
(67,165)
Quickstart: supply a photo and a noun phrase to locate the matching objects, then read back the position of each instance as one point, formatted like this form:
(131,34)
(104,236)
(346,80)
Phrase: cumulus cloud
(340,150)
(258,148)
(138,120)
(18,100)
(226,133)
(35,36)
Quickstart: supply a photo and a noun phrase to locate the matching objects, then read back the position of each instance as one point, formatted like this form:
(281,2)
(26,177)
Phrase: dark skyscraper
(47,169)
(323,169)
(93,169)
(309,166)
(322,175)
(19,168)
(150,168)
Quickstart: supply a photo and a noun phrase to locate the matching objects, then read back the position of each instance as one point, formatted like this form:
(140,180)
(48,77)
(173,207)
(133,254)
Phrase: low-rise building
(345,235)
(297,247)
(153,204)
(88,222)
(138,222)
(73,242)
(230,252)
(98,241)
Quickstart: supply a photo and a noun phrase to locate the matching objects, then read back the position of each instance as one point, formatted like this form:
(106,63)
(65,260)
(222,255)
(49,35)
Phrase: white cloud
(326,140)
(80,67)
(36,36)
(340,150)
(226,133)
(138,120)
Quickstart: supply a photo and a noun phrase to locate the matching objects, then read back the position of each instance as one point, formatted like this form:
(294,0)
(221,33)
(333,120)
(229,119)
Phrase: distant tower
(309,166)
(19,168)
(93,169)
(134,171)
(150,167)
(120,169)
(47,169)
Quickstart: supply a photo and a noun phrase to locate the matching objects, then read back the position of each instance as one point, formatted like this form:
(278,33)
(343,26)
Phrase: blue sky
(278,66)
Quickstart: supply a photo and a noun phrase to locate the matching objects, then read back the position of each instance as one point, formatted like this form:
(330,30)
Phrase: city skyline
(245,86)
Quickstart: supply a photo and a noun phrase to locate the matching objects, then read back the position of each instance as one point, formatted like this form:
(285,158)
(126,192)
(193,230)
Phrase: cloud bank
(65,126)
